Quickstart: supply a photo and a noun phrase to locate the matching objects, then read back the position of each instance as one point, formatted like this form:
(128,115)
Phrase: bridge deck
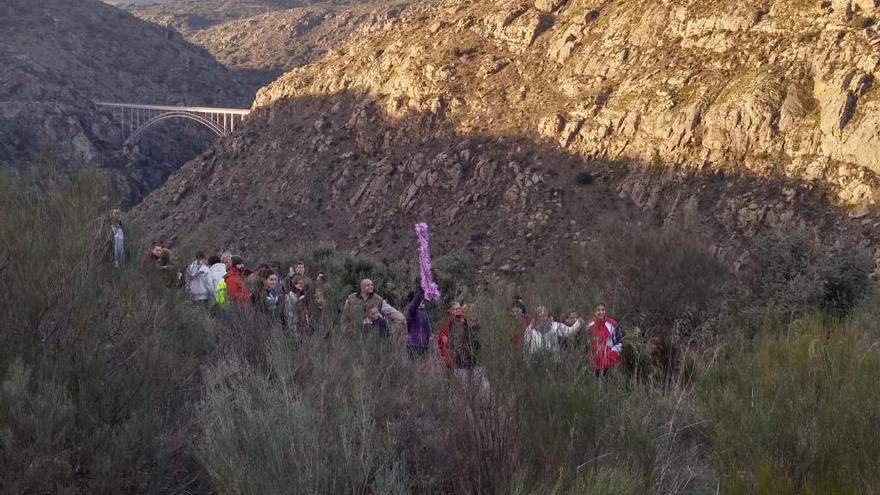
(168,108)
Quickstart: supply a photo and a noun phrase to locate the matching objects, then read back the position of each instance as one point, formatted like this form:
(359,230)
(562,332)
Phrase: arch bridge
(135,119)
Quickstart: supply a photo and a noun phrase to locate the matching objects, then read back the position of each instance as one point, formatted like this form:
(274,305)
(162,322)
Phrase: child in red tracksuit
(605,340)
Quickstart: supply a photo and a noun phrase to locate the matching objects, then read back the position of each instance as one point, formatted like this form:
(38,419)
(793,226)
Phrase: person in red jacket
(235,285)
(459,344)
(605,341)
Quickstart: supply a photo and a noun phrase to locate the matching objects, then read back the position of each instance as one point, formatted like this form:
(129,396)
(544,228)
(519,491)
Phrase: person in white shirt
(546,335)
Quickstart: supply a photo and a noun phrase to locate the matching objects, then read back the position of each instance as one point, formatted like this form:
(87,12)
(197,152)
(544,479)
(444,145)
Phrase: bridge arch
(219,131)
(135,119)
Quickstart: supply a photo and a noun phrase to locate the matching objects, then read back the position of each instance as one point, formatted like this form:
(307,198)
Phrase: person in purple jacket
(418,326)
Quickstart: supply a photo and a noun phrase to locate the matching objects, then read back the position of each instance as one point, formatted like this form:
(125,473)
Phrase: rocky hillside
(189,16)
(58,56)
(511,125)
(290,38)
(263,39)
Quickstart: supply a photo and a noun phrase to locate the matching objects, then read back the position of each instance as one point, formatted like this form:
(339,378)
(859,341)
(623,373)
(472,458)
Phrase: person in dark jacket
(374,322)
(457,340)
(297,309)
(266,300)
(170,275)
(150,262)
(297,269)
(418,325)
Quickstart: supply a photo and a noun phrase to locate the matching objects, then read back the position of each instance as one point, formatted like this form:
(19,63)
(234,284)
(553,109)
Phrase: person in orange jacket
(235,285)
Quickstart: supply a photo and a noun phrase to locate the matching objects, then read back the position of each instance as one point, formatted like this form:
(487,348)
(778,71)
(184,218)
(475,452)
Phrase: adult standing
(117,238)
(216,271)
(355,307)
(459,344)
(198,279)
(296,309)
(521,320)
(235,285)
(150,262)
(170,274)
(297,269)
(266,299)
(418,325)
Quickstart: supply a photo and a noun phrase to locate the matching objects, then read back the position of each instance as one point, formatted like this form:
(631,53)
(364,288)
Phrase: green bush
(794,275)
(664,280)
(799,411)
(97,370)
(109,384)
(349,416)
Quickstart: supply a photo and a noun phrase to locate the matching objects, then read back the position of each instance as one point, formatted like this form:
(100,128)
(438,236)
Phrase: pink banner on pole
(432,293)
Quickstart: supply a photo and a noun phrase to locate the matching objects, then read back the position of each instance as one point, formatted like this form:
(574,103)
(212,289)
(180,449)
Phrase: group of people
(223,283)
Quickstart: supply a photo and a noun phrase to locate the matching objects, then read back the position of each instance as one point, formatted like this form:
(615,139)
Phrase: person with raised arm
(546,335)
(418,325)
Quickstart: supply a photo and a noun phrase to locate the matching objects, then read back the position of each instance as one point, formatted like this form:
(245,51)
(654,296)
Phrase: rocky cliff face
(58,56)
(190,16)
(530,118)
(262,39)
(290,38)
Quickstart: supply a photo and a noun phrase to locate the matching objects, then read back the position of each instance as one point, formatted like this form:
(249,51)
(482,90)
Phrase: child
(374,322)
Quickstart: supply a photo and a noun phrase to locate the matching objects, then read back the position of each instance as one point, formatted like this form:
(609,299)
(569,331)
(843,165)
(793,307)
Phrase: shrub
(98,371)
(798,411)
(794,275)
(660,279)
(357,414)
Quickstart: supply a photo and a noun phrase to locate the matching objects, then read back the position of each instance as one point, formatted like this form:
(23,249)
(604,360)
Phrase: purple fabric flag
(428,285)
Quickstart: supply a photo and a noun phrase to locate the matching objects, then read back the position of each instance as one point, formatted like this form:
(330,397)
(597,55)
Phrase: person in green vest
(355,308)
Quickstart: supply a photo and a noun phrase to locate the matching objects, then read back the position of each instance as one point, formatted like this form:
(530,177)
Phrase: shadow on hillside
(342,170)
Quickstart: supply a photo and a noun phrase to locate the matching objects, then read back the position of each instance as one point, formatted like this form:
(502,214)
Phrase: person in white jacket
(545,335)
(198,279)
(217,270)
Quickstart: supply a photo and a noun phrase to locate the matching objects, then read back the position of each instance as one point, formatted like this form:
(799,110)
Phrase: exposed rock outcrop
(748,115)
